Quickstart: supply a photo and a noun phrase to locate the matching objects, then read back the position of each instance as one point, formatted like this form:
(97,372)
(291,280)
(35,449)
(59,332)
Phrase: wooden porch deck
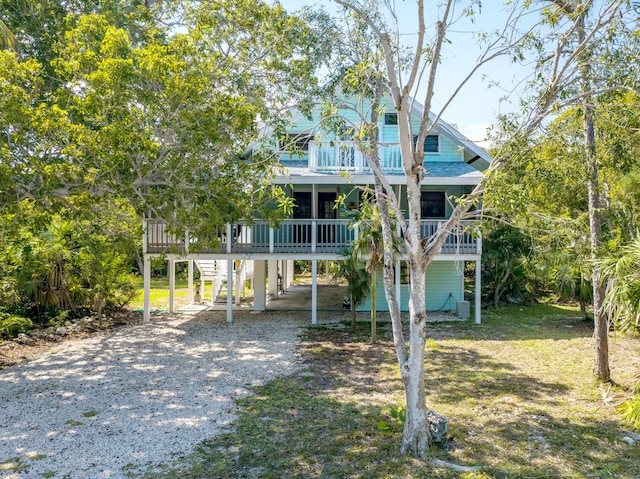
(292,237)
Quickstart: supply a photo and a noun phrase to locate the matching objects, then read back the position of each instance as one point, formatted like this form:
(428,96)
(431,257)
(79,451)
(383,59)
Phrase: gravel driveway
(114,405)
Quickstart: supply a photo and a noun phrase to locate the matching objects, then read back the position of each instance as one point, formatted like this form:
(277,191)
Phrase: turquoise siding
(449,150)
(444,286)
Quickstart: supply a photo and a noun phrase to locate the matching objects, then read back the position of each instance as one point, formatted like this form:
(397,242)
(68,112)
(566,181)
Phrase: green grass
(517,389)
(160,294)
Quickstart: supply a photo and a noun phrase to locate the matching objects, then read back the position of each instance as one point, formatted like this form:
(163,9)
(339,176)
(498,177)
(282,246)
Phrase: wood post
(314,291)
(478,298)
(229,291)
(172,284)
(146,315)
(190,280)
(259,285)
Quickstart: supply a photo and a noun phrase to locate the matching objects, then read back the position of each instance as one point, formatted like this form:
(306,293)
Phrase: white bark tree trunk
(420,252)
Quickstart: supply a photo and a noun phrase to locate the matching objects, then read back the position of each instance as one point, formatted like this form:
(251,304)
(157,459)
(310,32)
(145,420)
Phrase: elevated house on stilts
(316,172)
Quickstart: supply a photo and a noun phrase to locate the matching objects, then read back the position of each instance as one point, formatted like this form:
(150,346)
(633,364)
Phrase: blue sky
(478,104)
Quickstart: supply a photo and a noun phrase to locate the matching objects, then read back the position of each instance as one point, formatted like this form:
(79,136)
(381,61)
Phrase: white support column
(259,285)
(190,280)
(146,315)
(284,272)
(314,235)
(272,283)
(172,285)
(314,201)
(326,270)
(290,273)
(229,238)
(271,240)
(229,291)
(213,292)
(239,283)
(314,291)
(478,299)
(398,285)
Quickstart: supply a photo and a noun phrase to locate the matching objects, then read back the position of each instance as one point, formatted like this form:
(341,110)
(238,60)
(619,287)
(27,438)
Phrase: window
(431,143)
(295,142)
(390,119)
(433,204)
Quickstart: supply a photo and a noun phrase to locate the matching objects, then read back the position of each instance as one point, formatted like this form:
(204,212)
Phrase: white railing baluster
(297,235)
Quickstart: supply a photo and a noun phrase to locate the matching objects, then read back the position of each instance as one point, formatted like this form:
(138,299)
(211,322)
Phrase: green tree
(505,252)
(106,103)
(418,71)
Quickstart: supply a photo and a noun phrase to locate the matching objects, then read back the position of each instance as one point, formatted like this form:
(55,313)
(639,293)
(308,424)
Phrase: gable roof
(473,154)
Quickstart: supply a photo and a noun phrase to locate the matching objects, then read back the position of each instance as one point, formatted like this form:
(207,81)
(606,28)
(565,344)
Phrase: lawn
(517,389)
(160,294)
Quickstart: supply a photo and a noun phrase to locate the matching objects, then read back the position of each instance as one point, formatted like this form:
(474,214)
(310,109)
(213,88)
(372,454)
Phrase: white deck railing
(330,157)
(293,236)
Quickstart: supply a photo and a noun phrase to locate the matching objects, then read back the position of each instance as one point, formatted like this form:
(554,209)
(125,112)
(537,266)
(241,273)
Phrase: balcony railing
(329,157)
(293,236)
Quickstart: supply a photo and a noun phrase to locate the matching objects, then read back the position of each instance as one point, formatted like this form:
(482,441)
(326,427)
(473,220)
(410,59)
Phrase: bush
(630,410)
(11,325)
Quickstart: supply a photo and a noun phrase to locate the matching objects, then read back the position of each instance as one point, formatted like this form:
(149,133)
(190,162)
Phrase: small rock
(61,331)
(629,440)
(37,334)
(438,426)
(540,418)
(8,345)
(24,339)
(632,435)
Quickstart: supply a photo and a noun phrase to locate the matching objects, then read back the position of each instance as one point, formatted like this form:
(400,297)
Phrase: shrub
(11,325)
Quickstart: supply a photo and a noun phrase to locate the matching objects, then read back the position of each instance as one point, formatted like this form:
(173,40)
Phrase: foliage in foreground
(58,264)
(517,390)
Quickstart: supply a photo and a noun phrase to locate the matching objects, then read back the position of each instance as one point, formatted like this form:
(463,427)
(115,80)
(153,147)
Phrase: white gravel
(109,406)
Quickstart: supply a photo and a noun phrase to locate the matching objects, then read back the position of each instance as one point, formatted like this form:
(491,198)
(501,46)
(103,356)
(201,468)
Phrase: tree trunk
(601,327)
(353,314)
(140,263)
(601,324)
(583,310)
(500,287)
(416,436)
(374,336)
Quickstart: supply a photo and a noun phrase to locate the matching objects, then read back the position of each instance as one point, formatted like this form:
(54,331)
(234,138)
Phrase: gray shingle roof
(436,169)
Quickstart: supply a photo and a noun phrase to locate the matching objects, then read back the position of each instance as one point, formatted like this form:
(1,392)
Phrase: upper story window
(295,142)
(433,204)
(391,119)
(431,143)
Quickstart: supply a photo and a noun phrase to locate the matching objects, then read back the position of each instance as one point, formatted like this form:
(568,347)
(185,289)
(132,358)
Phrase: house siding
(444,286)
(448,150)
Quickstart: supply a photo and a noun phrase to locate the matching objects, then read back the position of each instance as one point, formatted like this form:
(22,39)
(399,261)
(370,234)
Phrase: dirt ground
(37,345)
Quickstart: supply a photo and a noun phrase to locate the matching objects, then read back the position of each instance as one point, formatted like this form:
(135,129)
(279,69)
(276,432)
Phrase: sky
(478,105)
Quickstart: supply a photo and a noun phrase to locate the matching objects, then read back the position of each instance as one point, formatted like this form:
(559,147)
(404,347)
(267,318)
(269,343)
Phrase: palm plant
(622,305)
(358,279)
(622,278)
(7,40)
(368,222)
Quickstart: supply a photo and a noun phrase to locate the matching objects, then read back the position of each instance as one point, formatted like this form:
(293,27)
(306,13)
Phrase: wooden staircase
(215,271)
